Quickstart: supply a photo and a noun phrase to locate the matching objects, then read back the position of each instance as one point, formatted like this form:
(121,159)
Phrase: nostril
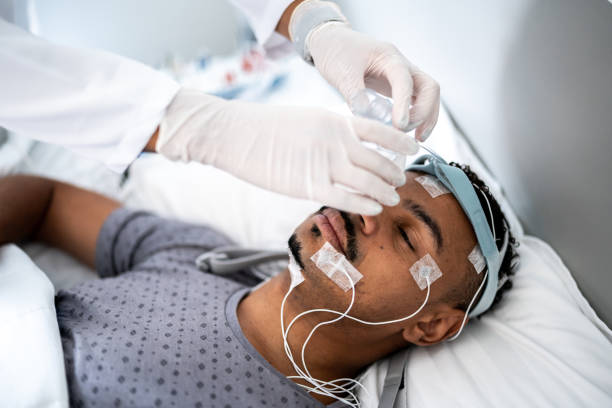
(369,224)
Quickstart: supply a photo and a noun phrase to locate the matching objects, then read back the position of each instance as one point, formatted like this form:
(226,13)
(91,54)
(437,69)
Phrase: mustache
(352,247)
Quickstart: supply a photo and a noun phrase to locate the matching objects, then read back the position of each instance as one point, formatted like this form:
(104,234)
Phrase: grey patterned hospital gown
(156,331)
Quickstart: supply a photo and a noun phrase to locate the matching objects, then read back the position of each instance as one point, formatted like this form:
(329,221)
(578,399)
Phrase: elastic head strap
(460,186)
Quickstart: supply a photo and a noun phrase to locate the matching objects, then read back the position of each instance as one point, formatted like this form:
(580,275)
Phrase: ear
(434,327)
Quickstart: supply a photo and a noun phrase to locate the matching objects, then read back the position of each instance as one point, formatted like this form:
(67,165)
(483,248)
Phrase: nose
(370,224)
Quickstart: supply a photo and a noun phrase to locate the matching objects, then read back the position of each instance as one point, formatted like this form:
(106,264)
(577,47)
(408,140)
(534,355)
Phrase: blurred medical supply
(245,74)
(370,104)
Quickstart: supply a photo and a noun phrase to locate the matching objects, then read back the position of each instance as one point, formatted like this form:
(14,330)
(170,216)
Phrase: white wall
(146,30)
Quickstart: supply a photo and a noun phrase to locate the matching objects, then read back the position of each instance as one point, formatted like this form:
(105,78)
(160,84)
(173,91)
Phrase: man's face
(383,248)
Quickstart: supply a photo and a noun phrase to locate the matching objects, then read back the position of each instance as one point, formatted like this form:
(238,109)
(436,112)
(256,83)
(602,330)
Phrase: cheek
(387,291)
(384,272)
(387,287)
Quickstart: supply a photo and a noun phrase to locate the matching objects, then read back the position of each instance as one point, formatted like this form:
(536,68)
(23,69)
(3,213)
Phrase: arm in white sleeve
(263,16)
(95,103)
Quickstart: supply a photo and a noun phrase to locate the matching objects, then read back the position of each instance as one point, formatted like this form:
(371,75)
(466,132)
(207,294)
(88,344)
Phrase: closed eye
(405,237)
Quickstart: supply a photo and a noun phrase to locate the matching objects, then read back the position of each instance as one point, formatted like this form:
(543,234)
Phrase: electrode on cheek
(336,267)
(432,185)
(424,269)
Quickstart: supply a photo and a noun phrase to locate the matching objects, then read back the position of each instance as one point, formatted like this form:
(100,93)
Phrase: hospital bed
(546,345)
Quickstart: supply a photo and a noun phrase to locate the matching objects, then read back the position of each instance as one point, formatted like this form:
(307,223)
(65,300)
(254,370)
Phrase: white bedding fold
(32,362)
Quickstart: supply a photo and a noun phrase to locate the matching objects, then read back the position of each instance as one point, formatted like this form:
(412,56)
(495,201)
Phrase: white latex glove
(349,60)
(297,151)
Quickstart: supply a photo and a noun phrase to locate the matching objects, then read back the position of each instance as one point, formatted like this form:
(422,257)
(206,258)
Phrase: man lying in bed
(156,331)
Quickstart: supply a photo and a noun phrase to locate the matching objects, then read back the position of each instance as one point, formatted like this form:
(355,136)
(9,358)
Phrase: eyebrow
(422,215)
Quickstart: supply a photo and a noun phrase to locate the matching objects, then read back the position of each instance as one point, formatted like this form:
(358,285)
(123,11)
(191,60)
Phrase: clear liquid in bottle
(372,105)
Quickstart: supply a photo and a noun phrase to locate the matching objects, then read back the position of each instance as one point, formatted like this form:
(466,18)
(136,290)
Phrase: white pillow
(32,363)
(543,347)
(201,194)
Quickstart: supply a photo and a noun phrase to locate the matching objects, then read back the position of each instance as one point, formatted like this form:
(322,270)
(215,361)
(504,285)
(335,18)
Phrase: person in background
(109,108)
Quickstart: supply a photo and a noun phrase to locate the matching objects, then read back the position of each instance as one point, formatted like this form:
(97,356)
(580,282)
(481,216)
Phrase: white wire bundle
(338,387)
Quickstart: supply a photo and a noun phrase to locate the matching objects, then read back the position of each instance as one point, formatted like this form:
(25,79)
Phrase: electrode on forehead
(294,271)
(432,185)
(423,269)
(336,267)
(477,259)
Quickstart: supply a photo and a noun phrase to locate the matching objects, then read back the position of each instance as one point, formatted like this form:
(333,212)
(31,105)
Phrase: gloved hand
(297,151)
(349,60)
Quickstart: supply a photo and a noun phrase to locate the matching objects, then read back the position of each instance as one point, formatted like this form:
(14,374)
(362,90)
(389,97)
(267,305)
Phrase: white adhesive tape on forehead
(335,265)
(423,268)
(432,185)
(294,271)
(477,259)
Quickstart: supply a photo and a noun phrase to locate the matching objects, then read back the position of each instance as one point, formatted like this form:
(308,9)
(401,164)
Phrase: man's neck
(259,318)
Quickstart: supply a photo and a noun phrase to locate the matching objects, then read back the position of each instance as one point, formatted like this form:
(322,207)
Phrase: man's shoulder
(163,229)
(131,237)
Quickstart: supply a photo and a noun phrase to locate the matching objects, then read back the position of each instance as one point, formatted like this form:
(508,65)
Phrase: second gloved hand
(351,61)
(297,151)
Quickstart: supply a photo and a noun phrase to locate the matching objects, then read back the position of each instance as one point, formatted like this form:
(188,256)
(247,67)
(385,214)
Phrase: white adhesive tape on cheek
(477,259)
(334,265)
(295,271)
(432,185)
(426,266)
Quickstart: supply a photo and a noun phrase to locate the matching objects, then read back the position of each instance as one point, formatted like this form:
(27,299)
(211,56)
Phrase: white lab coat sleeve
(97,104)
(263,16)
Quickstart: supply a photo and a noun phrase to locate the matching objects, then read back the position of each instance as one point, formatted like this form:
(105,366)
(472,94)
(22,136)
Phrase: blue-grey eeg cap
(461,187)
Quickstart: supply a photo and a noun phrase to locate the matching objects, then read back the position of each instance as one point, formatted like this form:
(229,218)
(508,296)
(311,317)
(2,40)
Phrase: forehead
(418,184)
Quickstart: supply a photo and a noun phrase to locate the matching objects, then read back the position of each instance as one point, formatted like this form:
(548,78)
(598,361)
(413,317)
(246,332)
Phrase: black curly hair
(462,296)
